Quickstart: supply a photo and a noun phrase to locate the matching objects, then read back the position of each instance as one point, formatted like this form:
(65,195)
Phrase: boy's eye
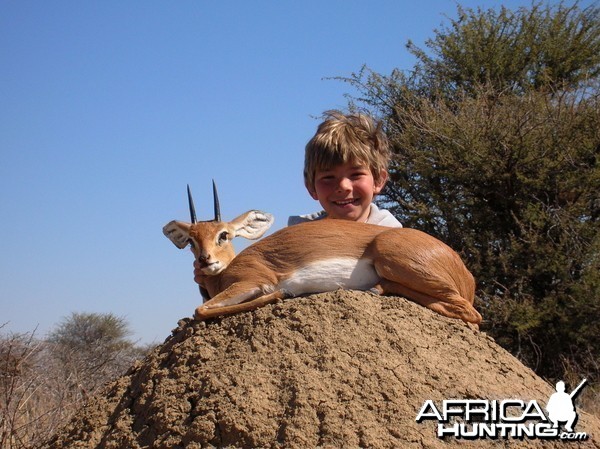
(326,178)
(324,175)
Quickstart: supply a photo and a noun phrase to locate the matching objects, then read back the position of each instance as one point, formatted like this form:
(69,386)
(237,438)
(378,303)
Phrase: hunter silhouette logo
(560,406)
(509,418)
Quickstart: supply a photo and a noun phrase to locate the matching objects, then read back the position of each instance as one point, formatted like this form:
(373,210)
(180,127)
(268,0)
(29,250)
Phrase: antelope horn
(192,208)
(216,203)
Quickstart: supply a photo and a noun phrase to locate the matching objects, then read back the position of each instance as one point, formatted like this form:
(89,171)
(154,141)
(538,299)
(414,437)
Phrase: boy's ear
(311,191)
(380,182)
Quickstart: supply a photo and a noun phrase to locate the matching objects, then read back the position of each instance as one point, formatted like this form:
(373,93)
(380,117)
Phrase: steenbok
(320,256)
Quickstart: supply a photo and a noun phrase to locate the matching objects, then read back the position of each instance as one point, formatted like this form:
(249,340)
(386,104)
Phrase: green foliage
(496,140)
(92,348)
(82,331)
(531,48)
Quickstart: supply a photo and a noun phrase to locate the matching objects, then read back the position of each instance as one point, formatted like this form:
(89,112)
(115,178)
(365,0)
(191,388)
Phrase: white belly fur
(331,274)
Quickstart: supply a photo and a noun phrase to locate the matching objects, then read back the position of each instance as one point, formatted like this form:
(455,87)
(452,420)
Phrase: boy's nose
(344,184)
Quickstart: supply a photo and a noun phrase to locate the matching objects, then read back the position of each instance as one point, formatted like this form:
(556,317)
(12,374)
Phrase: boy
(345,166)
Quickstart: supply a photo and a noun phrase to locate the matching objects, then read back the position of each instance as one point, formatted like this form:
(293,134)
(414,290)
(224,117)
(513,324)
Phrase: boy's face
(347,190)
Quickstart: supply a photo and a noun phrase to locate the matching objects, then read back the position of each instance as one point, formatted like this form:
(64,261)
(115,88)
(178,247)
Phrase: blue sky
(109,108)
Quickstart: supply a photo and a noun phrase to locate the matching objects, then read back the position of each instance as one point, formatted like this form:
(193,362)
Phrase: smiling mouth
(346,202)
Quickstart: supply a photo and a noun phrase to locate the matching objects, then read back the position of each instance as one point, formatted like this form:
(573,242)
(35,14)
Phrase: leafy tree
(496,140)
(93,348)
(83,331)
(535,48)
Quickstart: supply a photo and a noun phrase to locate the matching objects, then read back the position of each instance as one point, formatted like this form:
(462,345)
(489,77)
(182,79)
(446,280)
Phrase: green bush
(496,140)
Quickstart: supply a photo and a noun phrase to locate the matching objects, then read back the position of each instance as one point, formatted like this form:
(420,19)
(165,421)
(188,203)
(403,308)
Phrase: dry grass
(42,385)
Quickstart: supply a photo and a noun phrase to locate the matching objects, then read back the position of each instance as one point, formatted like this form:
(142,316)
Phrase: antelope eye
(223,236)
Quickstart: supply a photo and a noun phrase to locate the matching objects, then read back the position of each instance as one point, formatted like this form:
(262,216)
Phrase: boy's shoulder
(381,217)
(296,219)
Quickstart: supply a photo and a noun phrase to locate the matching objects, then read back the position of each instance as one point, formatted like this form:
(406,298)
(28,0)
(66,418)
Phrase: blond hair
(340,138)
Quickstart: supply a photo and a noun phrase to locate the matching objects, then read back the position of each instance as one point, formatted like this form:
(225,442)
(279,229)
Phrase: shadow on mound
(341,369)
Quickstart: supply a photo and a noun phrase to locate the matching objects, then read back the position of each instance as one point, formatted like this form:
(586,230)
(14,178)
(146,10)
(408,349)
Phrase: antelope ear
(178,233)
(252,225)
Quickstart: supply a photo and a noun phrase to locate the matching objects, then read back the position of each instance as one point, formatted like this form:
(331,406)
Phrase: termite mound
(339,369)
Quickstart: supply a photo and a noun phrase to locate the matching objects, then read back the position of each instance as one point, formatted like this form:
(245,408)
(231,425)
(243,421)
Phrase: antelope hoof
(472,326)
(198,313)
(376,290)
(286,294)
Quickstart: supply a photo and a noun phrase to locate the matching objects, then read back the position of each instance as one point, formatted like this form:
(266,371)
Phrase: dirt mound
(341,369)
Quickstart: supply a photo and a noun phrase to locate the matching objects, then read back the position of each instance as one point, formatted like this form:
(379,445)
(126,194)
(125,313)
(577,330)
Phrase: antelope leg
(240,302)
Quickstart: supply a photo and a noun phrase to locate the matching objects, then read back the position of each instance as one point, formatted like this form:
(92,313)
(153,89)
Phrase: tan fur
(409,263)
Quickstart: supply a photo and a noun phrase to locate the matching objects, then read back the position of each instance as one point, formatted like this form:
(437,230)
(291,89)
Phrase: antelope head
(210,241)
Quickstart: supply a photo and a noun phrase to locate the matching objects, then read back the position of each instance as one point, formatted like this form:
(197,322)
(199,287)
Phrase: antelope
(317,257)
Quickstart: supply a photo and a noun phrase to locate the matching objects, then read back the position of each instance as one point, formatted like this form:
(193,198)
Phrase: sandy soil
(341,369)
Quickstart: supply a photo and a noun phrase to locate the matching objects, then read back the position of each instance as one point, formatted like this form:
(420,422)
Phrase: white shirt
(377,216)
